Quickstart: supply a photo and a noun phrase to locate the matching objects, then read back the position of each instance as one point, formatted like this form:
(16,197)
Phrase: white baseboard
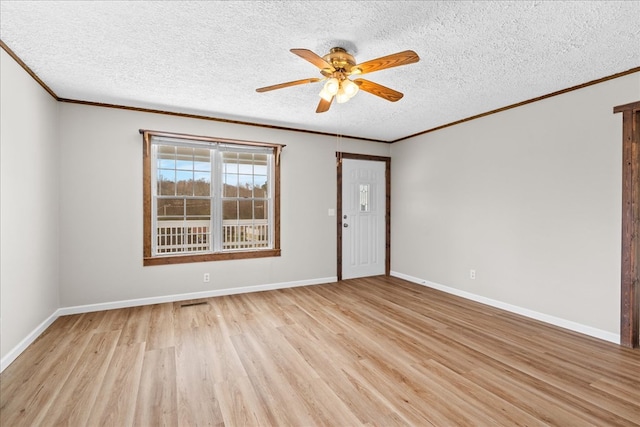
(17,350)
(27,341)
(189,296)
(556,321)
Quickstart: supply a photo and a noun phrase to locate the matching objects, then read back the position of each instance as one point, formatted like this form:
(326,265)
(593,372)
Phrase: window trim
(147,194)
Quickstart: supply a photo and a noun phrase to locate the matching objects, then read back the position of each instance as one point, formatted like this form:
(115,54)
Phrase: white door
(363,218)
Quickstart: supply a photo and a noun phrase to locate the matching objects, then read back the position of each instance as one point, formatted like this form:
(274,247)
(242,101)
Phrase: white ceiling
(208,57)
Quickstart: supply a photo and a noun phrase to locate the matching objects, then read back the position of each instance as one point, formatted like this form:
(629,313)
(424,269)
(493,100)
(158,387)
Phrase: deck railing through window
(195,236)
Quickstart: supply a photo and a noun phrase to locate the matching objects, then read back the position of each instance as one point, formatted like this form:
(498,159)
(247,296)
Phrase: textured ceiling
(208,57)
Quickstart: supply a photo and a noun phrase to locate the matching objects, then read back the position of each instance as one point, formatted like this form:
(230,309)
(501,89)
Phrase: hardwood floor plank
(485,408)
(136,327)
(72,404)
(569,379)
(156,400)
(160,332)
(92,321)
(376,351)
(240,405)
(364,404)
(123,375)
(113,320)
(621,390)
(321,402)
(565,377)
(43,353)
(399,396)
(534,398)
(281,403)
(30,384)
(195,378)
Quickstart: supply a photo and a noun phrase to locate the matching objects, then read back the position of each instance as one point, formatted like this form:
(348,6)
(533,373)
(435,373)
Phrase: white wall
(29,165)
(101,209)
(530,198)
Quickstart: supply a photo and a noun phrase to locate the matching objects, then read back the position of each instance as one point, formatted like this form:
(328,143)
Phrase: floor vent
(190,304)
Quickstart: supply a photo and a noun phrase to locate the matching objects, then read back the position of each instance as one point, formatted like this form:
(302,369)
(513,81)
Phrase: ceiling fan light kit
(330,89)
(338,65)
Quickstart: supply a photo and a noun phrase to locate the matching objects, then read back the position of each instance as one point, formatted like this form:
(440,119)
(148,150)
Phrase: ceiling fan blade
(324,105)
(378,90)
(315,59)
(283,85)
(395,60)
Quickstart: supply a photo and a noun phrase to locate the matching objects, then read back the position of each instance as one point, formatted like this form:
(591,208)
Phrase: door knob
(345,225)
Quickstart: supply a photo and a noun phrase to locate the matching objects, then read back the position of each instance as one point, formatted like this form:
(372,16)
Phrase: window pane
(185,165)
(245,168)
(230,167)
(166,163)
(364,198)
(259,186)
(184,185)
(230,178)
(167,155)
(198,209)
(201,159)
(245,158)
(197,230)
(226,155)
(230,185)
(260,160)
(197,236)
(170,209)
(230,210)
(166,185)
(184,225)
(202,184)
(245,209)
(260,210)
(184,154)
(245,185)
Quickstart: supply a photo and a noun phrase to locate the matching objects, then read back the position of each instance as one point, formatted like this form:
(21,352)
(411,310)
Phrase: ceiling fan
(338,65)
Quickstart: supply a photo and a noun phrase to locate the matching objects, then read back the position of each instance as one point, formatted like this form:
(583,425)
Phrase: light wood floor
(377,351)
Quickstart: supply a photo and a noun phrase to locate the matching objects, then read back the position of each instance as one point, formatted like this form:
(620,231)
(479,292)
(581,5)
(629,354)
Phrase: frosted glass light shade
(342,96)
(350,88)
(324,94)
(330,89)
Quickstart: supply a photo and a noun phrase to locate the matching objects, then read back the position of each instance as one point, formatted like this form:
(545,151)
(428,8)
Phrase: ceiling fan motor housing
(341,60)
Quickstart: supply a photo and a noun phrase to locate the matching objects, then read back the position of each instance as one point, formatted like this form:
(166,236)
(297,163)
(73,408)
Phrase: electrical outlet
(472,274)
(207,278)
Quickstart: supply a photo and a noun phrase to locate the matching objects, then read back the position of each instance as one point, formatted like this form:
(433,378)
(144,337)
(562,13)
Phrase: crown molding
(528,101)
(282,128)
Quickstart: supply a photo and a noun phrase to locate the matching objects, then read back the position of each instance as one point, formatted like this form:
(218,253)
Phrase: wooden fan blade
(389,61)
(324,105)
(283,85)
(378,90)
(315,59)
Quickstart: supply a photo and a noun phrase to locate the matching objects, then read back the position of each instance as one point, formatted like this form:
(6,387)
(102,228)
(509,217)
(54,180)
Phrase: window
(209,199)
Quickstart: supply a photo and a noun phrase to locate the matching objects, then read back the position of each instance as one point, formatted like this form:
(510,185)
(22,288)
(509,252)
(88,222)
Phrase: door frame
(387,178)
(630,264)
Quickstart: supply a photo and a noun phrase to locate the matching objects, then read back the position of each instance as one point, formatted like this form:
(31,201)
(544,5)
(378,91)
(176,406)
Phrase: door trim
(387,178)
